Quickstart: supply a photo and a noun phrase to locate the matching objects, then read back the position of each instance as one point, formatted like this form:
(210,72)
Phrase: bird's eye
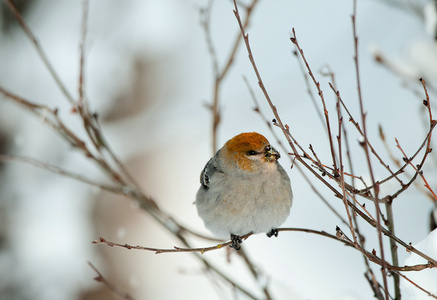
(268,148)
(251,152)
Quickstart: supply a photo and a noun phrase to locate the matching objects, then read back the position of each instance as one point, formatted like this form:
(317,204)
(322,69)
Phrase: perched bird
(244,189)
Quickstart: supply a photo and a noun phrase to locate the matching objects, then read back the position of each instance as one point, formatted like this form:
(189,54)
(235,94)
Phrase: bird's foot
(236,241)
(273,232)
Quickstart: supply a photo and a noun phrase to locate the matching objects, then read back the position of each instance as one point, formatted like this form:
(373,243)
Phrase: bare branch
(202,250)
(341,237)
(39,49)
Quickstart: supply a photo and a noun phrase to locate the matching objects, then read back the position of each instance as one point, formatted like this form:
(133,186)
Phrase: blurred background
(150,77)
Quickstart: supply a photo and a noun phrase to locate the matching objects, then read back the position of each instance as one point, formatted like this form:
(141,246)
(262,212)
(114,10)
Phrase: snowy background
(149,75)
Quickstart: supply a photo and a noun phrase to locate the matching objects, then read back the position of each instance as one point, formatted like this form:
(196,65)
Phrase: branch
(202,250)
(340,236)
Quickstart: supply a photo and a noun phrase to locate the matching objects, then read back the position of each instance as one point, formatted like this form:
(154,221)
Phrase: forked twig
(112,287)
(417,169)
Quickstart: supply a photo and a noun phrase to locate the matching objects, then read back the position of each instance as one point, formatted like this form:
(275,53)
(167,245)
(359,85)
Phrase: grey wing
(212,166)
(206,174)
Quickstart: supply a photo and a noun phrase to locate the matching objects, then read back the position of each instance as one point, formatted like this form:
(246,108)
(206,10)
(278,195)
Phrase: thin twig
(417,286)
(366,150)
(342,182)
(397,162)
(309,90)
(113,288)
(85,6)
(417,170)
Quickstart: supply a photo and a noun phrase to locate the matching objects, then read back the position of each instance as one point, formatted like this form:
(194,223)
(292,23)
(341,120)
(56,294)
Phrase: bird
(243,189)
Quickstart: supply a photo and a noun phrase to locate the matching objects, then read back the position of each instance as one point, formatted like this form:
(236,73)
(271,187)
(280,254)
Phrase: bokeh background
(149,76)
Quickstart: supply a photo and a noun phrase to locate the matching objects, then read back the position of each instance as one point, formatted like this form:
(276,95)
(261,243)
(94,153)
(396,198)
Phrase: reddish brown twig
(341,169)
(309,89)
(175,248)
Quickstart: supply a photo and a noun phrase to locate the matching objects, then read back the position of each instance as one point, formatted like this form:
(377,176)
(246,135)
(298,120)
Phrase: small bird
(244,189)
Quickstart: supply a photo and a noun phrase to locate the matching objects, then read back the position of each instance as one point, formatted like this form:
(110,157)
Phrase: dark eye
(251,152)
(268,148)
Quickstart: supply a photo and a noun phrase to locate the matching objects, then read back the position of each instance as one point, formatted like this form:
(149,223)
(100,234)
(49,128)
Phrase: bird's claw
(273,232)
(236,241)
